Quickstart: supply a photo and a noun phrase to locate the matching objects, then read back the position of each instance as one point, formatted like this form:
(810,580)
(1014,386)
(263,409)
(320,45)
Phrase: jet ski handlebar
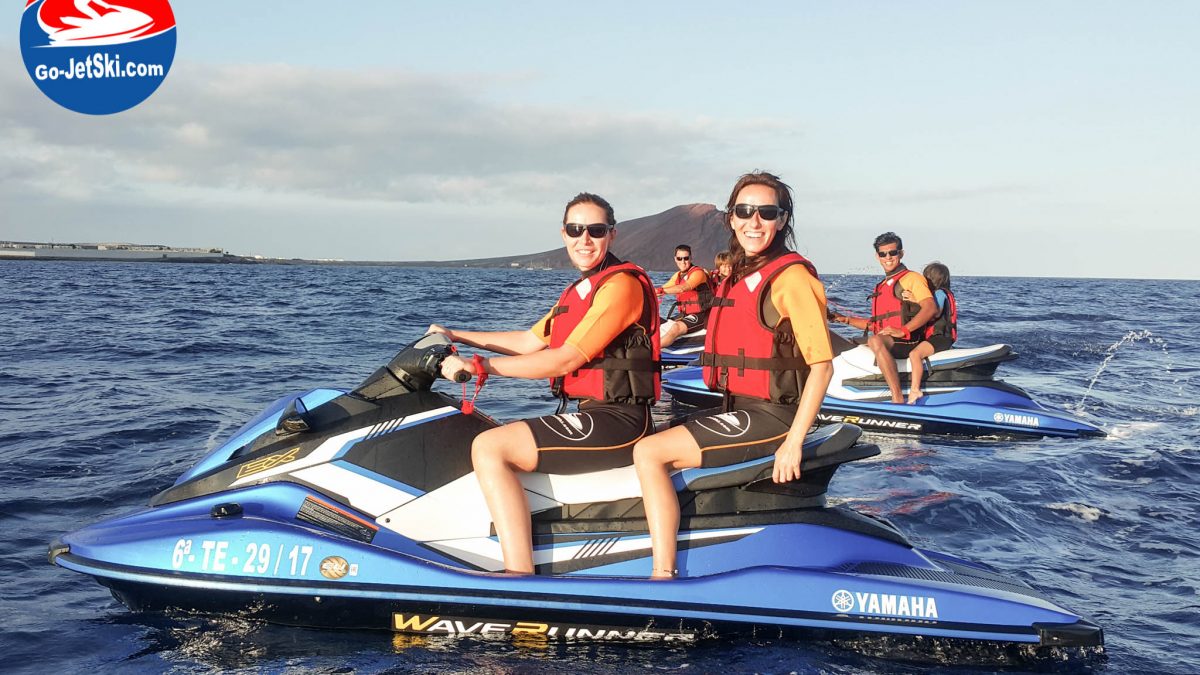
(414,368)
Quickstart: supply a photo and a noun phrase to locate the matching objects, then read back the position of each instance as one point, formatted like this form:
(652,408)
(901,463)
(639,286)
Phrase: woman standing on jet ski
(767,350)
(599,345)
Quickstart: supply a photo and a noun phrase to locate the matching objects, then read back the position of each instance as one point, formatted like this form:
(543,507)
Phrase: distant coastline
(649,241)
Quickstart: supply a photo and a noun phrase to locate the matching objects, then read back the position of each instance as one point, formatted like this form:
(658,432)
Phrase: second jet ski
(962,397)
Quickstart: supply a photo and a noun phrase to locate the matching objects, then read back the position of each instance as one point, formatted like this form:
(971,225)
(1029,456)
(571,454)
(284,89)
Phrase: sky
(1003,138)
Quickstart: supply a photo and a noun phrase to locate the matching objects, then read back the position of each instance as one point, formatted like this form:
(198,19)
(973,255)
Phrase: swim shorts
(940,343)
(902,348)
(600,436)
(752,430)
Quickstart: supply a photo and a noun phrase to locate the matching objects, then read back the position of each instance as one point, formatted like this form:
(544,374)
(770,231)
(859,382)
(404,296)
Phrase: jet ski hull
(994,411)
(258,567)
(360,510)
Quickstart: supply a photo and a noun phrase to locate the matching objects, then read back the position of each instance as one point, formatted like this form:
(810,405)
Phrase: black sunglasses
(686,257)
(768,212)
(595,230)
(888,254)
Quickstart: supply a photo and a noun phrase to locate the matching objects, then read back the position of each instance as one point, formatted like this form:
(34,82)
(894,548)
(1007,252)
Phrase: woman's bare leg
(497,455)
(654,457)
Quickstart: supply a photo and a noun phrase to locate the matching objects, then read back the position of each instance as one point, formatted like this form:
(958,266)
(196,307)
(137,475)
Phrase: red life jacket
(628,369)
(696,300)
(749,350)
(947,323)
(888,306)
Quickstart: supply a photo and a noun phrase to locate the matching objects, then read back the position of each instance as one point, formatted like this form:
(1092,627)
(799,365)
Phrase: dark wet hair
(684,247)
(743,265)
(889,238)
(938,276)
(589,198)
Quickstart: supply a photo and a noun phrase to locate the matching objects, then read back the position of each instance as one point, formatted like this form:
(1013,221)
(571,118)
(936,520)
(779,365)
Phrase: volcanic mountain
(648,241)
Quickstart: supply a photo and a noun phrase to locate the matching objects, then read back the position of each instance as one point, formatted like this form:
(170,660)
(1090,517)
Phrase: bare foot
(914,395)
(662,575)
(898,398)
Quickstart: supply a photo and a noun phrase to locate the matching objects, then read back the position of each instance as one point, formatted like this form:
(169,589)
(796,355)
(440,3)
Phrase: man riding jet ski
(962,396)
(359,510)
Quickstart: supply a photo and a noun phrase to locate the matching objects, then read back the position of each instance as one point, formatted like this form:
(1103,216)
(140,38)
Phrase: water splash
(1130,338)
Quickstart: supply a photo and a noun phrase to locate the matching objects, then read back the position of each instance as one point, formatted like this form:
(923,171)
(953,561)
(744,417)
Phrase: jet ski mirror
(294,418)
(413,369)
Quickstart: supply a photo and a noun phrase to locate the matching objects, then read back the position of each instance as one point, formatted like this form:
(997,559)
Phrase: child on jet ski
(895,323)
(599,345)
(773,375)
(940,333)
(693,293)
(722,267)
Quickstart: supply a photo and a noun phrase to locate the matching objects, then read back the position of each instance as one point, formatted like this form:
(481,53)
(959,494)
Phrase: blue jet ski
(360,510)
(685,349)
(962,397)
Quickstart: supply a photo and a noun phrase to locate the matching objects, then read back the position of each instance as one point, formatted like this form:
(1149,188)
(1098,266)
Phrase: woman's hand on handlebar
(458,369)
(437,328)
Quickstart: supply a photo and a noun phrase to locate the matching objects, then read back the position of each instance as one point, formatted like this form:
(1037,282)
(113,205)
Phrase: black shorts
(600,436)
(752,430)
(691,322)
(940,343)
(902,348)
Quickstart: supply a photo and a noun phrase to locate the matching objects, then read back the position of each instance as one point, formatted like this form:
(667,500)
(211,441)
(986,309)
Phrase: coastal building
(104,251)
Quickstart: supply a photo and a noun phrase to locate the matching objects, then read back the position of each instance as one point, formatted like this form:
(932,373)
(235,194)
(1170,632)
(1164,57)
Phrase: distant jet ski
(962,397)
(360,510)
(685,349)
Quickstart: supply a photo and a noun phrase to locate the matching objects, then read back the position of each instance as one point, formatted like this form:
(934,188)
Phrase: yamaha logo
(998,417)
(843,601)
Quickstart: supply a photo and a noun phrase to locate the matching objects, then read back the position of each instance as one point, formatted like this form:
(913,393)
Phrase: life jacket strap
(743,363)
(558,310)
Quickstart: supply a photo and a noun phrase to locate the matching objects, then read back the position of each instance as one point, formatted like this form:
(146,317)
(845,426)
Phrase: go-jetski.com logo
(98,56)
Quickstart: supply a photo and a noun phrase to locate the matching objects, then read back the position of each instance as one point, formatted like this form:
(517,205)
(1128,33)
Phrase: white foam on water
(1132,429)
(1087,513)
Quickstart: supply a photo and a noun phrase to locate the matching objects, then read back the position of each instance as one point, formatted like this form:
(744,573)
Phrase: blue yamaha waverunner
(359,509)
(962,397)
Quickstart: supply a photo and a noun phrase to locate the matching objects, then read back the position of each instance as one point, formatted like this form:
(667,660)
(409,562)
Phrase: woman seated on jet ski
(941,332)
(773,374)
(598,344)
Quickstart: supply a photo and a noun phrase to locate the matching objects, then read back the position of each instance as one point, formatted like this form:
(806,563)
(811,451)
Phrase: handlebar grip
(462,376)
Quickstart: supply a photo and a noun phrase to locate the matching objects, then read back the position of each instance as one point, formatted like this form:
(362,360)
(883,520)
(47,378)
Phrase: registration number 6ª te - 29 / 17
(215,556)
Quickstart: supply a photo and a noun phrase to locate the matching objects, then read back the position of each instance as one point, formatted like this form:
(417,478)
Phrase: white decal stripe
(485,552)
(482,553)
(366,495)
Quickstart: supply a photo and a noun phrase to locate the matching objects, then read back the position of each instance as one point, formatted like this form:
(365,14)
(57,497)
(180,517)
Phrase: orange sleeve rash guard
(801,297)
(616,305)
(915,284)
(696,278)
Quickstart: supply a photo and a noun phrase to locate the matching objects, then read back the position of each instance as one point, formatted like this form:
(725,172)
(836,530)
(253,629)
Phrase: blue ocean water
(115,377)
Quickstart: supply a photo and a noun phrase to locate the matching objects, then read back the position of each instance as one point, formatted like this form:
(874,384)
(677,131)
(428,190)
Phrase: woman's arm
(791,451)
(502,342)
